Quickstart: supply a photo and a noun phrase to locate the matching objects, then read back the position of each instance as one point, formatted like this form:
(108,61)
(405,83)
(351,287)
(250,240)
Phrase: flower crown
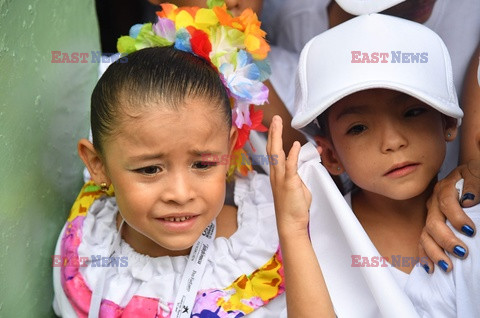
(235,46)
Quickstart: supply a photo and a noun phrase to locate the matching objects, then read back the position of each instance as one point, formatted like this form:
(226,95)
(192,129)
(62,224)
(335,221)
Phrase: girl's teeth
(180,219)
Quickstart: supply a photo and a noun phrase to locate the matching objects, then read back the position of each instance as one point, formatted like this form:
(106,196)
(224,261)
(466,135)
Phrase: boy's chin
(405,194)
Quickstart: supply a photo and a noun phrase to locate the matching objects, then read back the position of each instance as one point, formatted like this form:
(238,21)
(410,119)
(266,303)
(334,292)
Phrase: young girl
(150,235)
(386,108)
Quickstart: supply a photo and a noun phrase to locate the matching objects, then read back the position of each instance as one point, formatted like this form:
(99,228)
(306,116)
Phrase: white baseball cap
(358,7)
(373,51)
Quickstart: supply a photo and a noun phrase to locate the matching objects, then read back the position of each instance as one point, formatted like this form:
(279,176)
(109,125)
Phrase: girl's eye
(204,165)
(356,130)
(413,112)
(150,170)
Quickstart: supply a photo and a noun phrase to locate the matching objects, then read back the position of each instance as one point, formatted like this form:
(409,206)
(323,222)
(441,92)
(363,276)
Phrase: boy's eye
(356,130)
(415,111)
(150,170)
(203,165)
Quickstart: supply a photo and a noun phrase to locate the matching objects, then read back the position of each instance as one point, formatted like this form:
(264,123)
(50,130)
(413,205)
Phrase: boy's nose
(393,138)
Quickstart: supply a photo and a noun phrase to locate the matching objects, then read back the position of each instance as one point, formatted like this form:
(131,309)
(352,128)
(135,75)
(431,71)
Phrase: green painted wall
(43,112)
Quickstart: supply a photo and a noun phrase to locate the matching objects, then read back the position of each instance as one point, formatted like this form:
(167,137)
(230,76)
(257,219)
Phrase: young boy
(377,91)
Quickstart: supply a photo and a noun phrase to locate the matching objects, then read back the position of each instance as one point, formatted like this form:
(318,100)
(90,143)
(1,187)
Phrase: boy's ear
(450,128)
(93,161)
(329,156)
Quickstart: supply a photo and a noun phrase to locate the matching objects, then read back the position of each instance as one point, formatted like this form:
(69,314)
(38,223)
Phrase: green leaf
(147,38)
(215,3)
(126,44)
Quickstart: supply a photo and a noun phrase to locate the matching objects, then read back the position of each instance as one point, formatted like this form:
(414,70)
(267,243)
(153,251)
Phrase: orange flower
(227,19)
(168,11)
(255,42)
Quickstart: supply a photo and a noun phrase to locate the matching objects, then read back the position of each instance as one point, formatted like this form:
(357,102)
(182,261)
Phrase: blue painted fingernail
(443,265)
(459,251)
(467,196)
(467,230)
(426,267)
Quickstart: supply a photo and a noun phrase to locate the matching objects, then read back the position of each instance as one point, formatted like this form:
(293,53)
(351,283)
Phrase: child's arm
(307,294)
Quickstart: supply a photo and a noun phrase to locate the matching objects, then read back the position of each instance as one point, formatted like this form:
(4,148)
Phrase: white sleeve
(298,21)
(433,296)
(284,64)
(61,304)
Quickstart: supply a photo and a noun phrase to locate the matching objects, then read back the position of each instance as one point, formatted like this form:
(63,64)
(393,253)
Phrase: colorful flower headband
(236,46)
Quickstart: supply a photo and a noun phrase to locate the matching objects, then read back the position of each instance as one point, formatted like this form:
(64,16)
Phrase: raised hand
(292,198)
(292,202)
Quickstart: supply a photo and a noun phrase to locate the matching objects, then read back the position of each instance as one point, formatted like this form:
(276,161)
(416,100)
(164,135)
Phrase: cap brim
(446,107)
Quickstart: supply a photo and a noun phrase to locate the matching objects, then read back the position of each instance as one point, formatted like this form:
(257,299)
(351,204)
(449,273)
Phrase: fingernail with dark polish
(459,251)
(467,196)
(443,265)
(426,267)
(467,230)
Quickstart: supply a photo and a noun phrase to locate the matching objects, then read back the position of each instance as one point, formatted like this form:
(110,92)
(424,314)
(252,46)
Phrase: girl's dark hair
(159,74)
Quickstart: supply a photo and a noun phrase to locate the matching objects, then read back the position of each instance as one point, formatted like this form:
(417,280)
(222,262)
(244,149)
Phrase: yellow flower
(204,19)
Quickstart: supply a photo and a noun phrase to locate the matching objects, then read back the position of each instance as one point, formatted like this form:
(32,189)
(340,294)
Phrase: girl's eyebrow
(194,153)
(146,157)
(199,153)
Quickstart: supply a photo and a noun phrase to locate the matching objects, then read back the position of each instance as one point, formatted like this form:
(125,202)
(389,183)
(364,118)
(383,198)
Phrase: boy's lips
(401,169)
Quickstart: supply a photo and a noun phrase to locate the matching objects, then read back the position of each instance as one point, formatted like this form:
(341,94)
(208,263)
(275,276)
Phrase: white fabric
(337,235)
(250,247)
(297,22)
(400,277)
(283,64)
(61,305)
(454,294)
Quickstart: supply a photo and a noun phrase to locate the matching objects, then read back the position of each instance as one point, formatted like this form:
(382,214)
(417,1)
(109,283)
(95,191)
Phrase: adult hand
(437,237)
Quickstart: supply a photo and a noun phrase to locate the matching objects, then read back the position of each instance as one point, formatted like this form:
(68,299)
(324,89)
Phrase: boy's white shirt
(336,235)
